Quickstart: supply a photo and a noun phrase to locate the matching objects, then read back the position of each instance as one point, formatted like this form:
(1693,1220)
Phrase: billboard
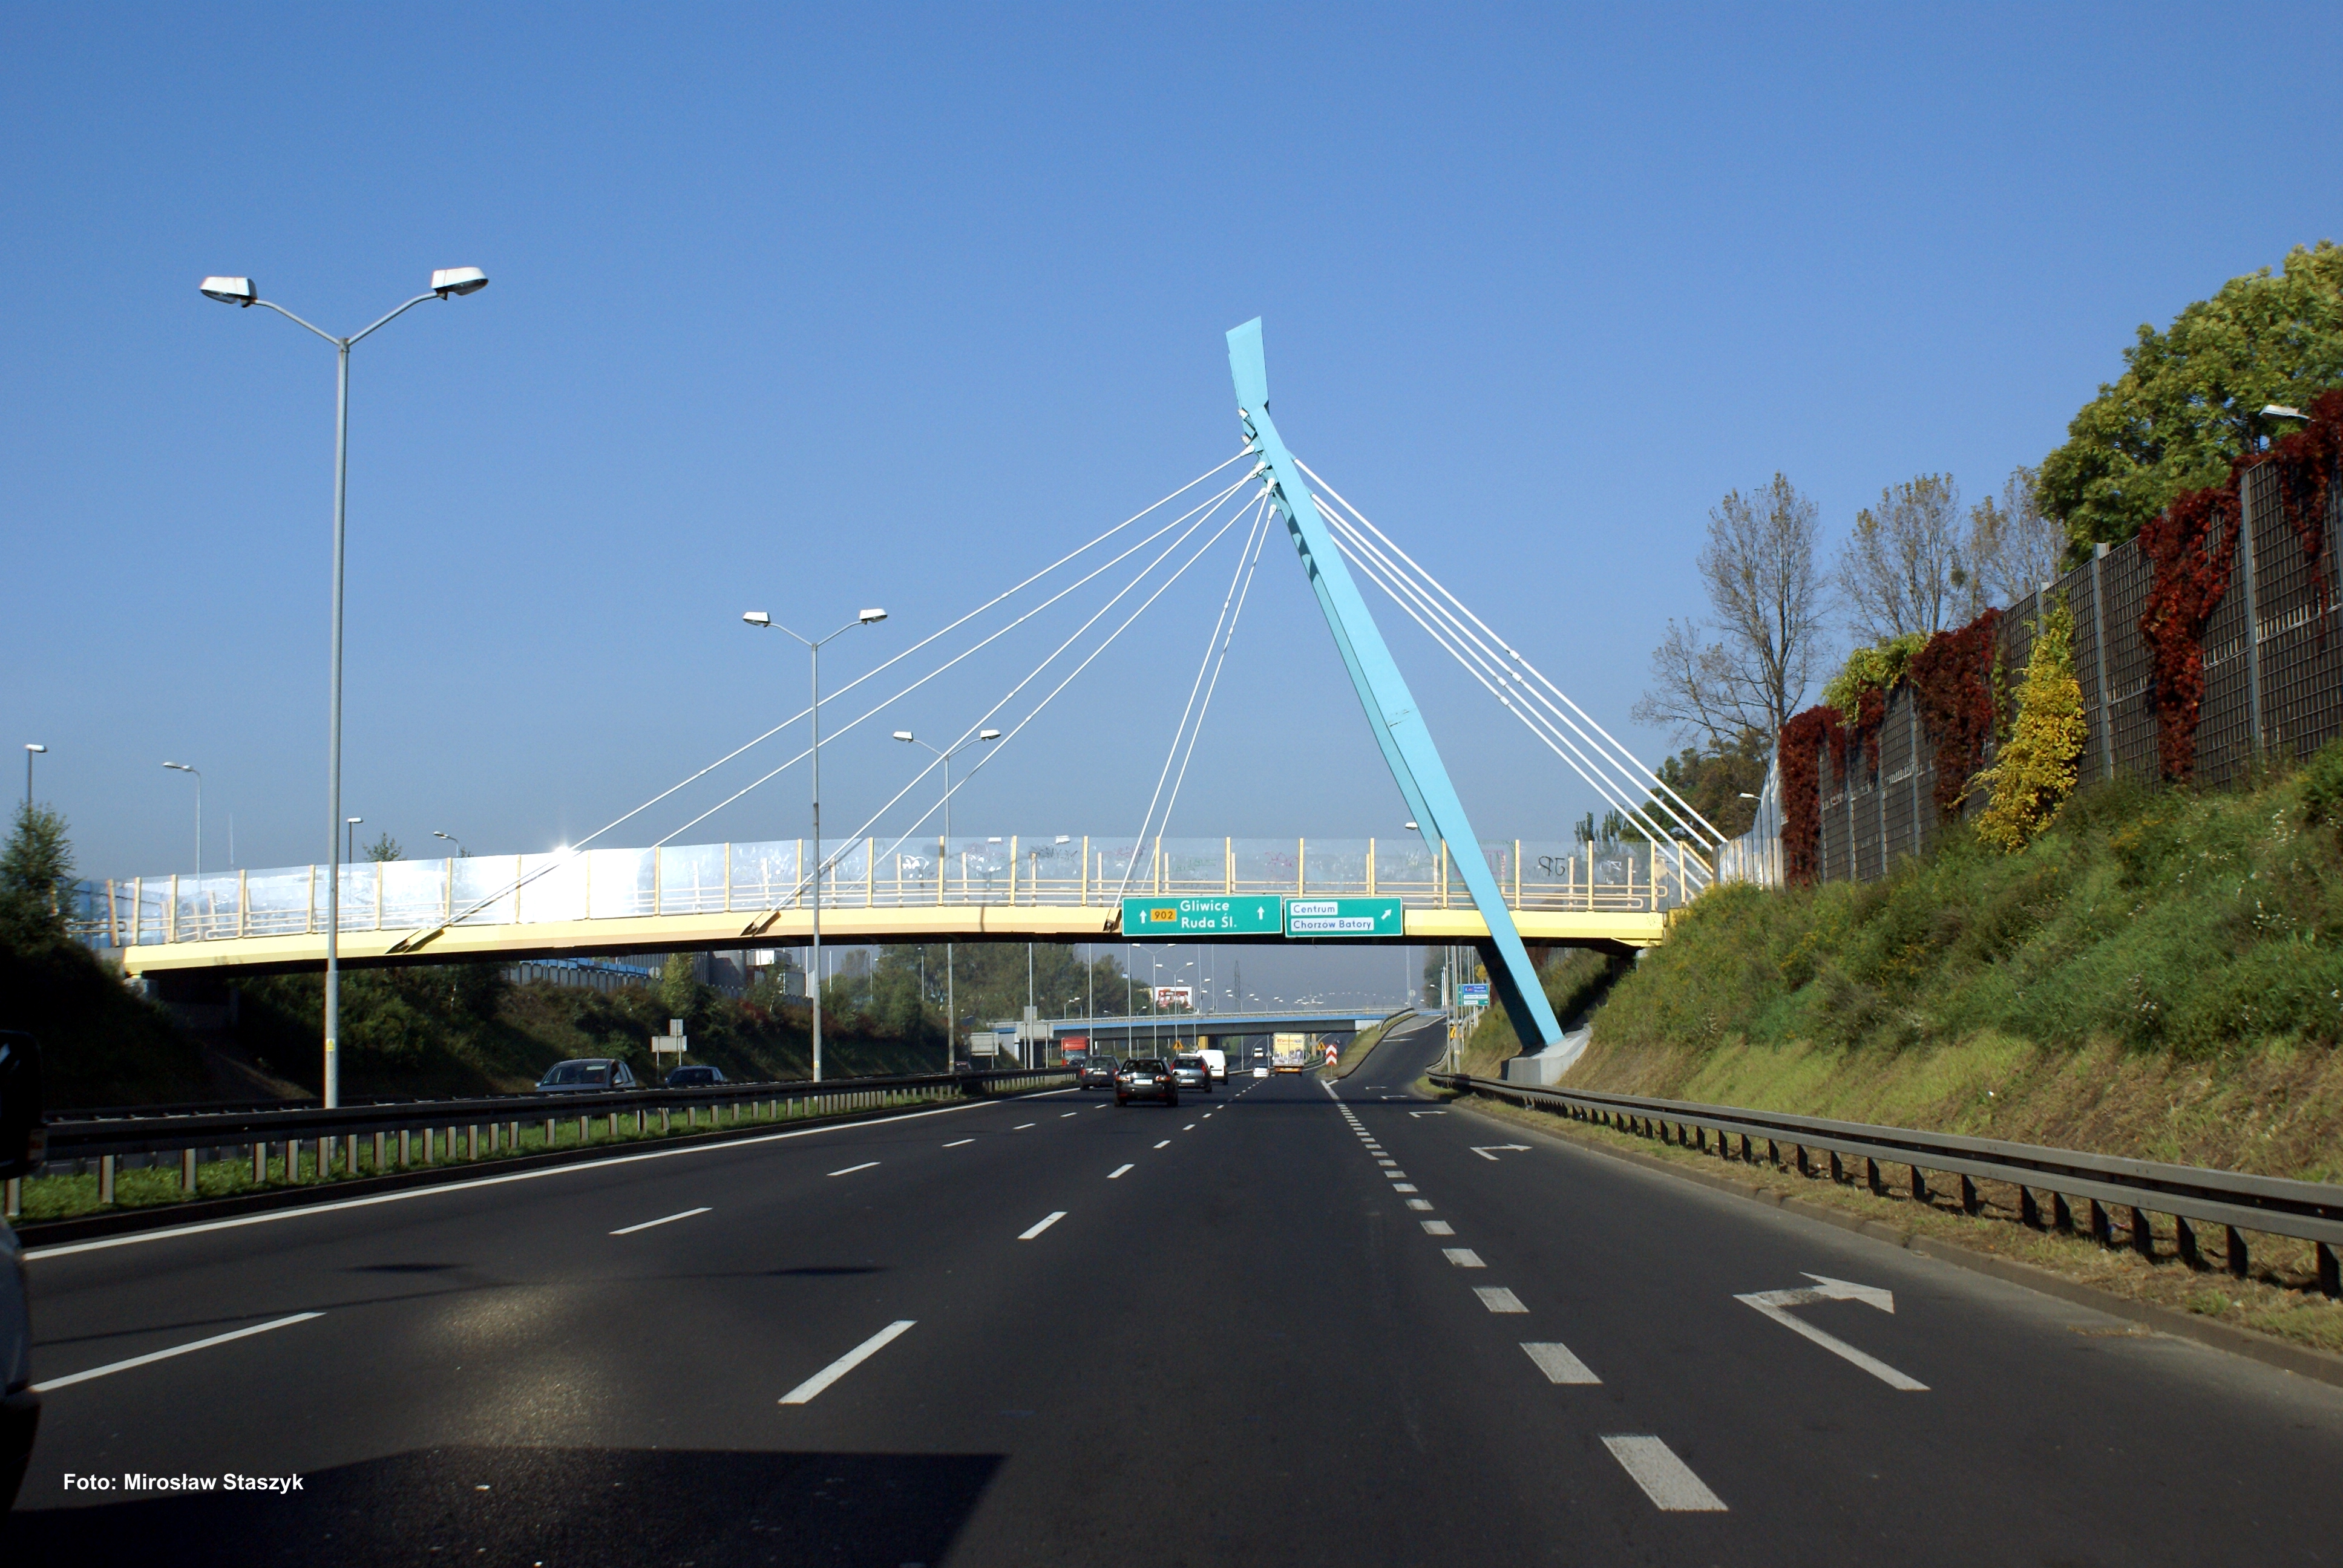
(1171,998)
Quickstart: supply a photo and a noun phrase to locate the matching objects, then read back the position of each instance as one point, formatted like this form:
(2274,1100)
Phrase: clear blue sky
(809,309)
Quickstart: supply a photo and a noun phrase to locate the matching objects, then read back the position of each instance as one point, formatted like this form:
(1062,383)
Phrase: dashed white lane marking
(1396,1175)
(1064,1115)
(1419,1202)
(1023,1125)
(1559,1365)
(1208,1116)
(1165,1144)
(1380,1162)
(151,1356)
(1498,1299)
(1116,1171)
(1402,1186)
(1045,1224)
(630,1230)
(1438,1227)
(850,1169)
(846,1363)
(1666,1480)
(958,1141)
(1463,1257)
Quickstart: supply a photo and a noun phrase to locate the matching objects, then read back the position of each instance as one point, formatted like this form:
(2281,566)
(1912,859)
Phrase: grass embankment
(1362,1044)
(1575,980)
(2159,975)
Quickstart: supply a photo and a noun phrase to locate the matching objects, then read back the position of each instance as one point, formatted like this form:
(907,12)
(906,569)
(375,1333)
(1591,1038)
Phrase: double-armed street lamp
(183,768)
(447,282)
(951,1017)
(757,618)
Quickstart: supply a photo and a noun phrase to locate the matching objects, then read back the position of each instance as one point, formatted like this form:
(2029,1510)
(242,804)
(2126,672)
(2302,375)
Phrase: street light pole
(183,768)
(952,1005)
(757,618)
(447,282)
(31,751)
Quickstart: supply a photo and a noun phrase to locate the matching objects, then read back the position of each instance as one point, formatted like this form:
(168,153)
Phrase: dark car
(1193,1072)
(1146,1078)
(587,1075)
(1097,1072)
(692,1077)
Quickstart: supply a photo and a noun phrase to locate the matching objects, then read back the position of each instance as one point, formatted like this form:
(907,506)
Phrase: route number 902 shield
(1144,920)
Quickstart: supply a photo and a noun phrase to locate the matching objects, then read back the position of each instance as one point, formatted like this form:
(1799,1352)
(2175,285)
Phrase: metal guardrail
(2273,1205)
(321,1133)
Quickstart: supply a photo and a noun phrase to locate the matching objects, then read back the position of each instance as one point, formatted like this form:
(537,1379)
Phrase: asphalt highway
(1281,1324)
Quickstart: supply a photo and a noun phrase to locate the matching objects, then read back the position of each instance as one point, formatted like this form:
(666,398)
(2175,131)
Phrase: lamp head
(988,735)
(903,735)
(178,767)
(757,618)
(354,821)
(868,616)
(2280,411)
(30,746)
(453,280)
(230,290)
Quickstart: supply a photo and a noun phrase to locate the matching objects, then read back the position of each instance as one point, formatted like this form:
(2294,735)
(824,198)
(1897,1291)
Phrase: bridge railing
(751,878)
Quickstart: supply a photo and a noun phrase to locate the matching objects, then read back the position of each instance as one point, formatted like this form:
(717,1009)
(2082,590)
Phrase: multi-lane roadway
(1282,1324)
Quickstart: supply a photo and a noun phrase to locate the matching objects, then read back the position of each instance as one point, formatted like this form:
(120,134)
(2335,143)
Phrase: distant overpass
(708,897)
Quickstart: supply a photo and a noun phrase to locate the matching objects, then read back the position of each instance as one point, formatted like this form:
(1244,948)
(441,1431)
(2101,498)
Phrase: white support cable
(1492,676)
(1195,686)
(1141,577)
(1253,546)
(515,887)
(995,750)
(1206,508)
(1646,779)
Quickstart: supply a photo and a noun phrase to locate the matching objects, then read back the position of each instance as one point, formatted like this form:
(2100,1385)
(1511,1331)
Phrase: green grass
(2159,974)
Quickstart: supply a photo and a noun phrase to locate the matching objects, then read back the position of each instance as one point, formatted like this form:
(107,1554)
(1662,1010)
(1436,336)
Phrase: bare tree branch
(1906,567)
(2013,548)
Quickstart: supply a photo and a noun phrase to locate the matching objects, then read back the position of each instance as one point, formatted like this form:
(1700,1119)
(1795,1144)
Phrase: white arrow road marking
(846,1363)
(1029,1235)
(1414,1113)
(110,1367)
(1554,1359)
(1485,1152)
(1666,1480)
(1776,1304)
(630,1230)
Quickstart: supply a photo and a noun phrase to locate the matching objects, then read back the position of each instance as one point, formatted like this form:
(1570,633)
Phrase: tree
(1713,779)
(2190,398)
(385,849)
(1764,597)
(678,986)
(37,860)
(1905,568)
(2013,548)
(2035,770)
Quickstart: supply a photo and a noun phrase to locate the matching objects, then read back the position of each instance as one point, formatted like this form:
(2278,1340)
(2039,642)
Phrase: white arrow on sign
(1485,1154)
(1776,1304)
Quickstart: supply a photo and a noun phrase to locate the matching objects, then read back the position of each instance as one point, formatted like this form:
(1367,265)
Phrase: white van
(1216,1062)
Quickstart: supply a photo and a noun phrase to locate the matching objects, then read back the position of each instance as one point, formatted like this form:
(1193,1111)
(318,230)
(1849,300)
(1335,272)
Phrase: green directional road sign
(1258,914)
(1344,917)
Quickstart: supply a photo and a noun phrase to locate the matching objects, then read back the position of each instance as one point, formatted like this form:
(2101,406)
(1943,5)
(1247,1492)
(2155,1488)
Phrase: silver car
(1191,1072)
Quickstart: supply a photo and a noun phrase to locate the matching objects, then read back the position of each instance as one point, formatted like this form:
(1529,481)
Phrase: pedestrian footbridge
(1059,887)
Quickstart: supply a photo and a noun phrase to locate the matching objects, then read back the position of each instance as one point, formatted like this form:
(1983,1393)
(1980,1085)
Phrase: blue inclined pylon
(1392,712)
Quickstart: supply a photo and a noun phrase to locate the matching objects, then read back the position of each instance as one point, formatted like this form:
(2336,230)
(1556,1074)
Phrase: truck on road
(1289,1052)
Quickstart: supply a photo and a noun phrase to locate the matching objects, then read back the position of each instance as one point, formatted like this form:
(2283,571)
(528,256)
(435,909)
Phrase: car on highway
(1190,1071)
(1146,1078)
(693,1077)
(587,1075)
(1097,1072)
(23,1143)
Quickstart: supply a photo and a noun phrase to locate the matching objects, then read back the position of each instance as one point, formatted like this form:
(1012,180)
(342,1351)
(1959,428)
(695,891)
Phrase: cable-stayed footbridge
(1448,884)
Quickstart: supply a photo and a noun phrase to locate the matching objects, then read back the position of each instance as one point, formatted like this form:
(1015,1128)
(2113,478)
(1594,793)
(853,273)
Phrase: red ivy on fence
(1952,683)
(2305,463)
(2193,546)
(1802,804)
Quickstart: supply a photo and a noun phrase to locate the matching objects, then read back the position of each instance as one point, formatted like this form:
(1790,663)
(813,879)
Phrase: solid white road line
(850,1169)
(1666,1480)
(687,1213)
(112,1367)
(1165,1144)
(958,1141)
(1029,1235)
(1463,1257)
(846,1363)
(1438,1227)
(1559,1365)
(1498,1299)
(1116,1171)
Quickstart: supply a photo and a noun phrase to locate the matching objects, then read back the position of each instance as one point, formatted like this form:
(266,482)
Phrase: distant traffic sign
(1256,915)
(1344,917)
(1473,993)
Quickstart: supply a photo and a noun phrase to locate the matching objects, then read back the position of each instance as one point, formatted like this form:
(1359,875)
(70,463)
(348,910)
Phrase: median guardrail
(2188,1195)
(313,1143)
